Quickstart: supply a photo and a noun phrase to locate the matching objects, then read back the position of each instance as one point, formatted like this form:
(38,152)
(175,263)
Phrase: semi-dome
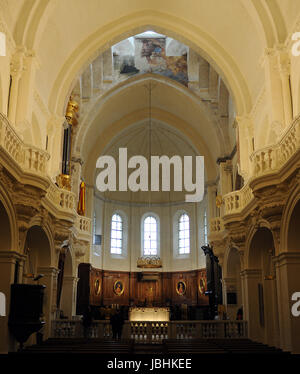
(147,140)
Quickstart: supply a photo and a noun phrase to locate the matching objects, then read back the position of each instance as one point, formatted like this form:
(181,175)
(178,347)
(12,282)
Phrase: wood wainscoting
(98,287)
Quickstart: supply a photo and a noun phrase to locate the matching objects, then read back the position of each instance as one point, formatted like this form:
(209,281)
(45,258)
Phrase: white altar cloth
(149,314)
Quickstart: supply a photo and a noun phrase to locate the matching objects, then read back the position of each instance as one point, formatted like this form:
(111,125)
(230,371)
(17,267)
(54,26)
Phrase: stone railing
(263,161)
(216,225)
(153,332)
(236,201)
(83,226)
(29,158)
(63,200)
(271,159)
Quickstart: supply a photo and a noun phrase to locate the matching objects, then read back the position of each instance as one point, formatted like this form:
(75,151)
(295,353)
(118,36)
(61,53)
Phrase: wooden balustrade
(155,331)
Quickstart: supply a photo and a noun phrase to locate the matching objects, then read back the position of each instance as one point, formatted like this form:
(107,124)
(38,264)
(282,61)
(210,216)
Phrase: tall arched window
(184,234)
(150,236)
(116,234)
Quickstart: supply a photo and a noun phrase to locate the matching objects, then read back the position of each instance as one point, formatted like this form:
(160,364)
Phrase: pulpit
(26,310)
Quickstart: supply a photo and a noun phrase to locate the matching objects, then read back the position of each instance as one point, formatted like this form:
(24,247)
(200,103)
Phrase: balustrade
(272,158)
(29,158)
(155,331)
(216,225)
(236,201)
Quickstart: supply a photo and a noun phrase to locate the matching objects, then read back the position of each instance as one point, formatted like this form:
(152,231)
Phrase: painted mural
(148,55)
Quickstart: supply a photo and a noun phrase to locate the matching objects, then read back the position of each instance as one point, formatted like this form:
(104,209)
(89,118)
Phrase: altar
(149,314)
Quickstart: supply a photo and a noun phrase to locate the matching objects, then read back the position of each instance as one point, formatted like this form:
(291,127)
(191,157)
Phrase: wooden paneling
(136,292)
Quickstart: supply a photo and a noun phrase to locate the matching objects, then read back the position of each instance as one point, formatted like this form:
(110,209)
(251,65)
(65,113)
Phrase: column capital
(251,273)
(286,258)
(48,270)
(17,63)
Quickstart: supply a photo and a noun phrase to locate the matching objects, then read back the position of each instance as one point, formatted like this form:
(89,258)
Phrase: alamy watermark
(296,307)
(138,179)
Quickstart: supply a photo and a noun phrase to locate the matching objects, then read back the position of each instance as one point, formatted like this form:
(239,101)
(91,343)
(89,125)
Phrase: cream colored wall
(133,216)
(247,43)
(54,45)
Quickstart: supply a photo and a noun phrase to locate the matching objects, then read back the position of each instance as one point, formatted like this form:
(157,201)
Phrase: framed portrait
(202,286)
(97,286)
(181,288)
(118,287)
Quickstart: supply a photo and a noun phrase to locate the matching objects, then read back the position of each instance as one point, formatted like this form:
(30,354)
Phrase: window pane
(150,236)
(184,234)
(116,234)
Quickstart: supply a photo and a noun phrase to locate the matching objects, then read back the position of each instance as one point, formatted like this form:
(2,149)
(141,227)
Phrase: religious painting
(97,286)
(151,58)
(202,285)
(118,288)
(149,55)
(181,288)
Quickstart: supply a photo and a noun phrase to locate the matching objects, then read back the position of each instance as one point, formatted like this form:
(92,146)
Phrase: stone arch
(31,22)
(162,23)
(289,214)
(8,229)
(269,21)
(38,250)
(260,287)
(38,269)
(175,87)
(293,239)
(5,231)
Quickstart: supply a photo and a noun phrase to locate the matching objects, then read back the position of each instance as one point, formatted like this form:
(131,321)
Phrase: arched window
(184,234)
(116,234)
(150,236)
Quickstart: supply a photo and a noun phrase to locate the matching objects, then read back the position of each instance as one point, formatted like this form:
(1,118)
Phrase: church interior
(85,79)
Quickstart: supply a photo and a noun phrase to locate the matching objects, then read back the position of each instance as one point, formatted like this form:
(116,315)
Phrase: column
(76,165)
(193,69)
(211,197)
(26,89)
(16,71)
(213,84)
(274,87)
(287,278)
(68,297)
(252,277)
(7,271)
(230,285)
(286,91)
(245,131)
(55,137)
(107,66)
(49,307)
(225,184)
